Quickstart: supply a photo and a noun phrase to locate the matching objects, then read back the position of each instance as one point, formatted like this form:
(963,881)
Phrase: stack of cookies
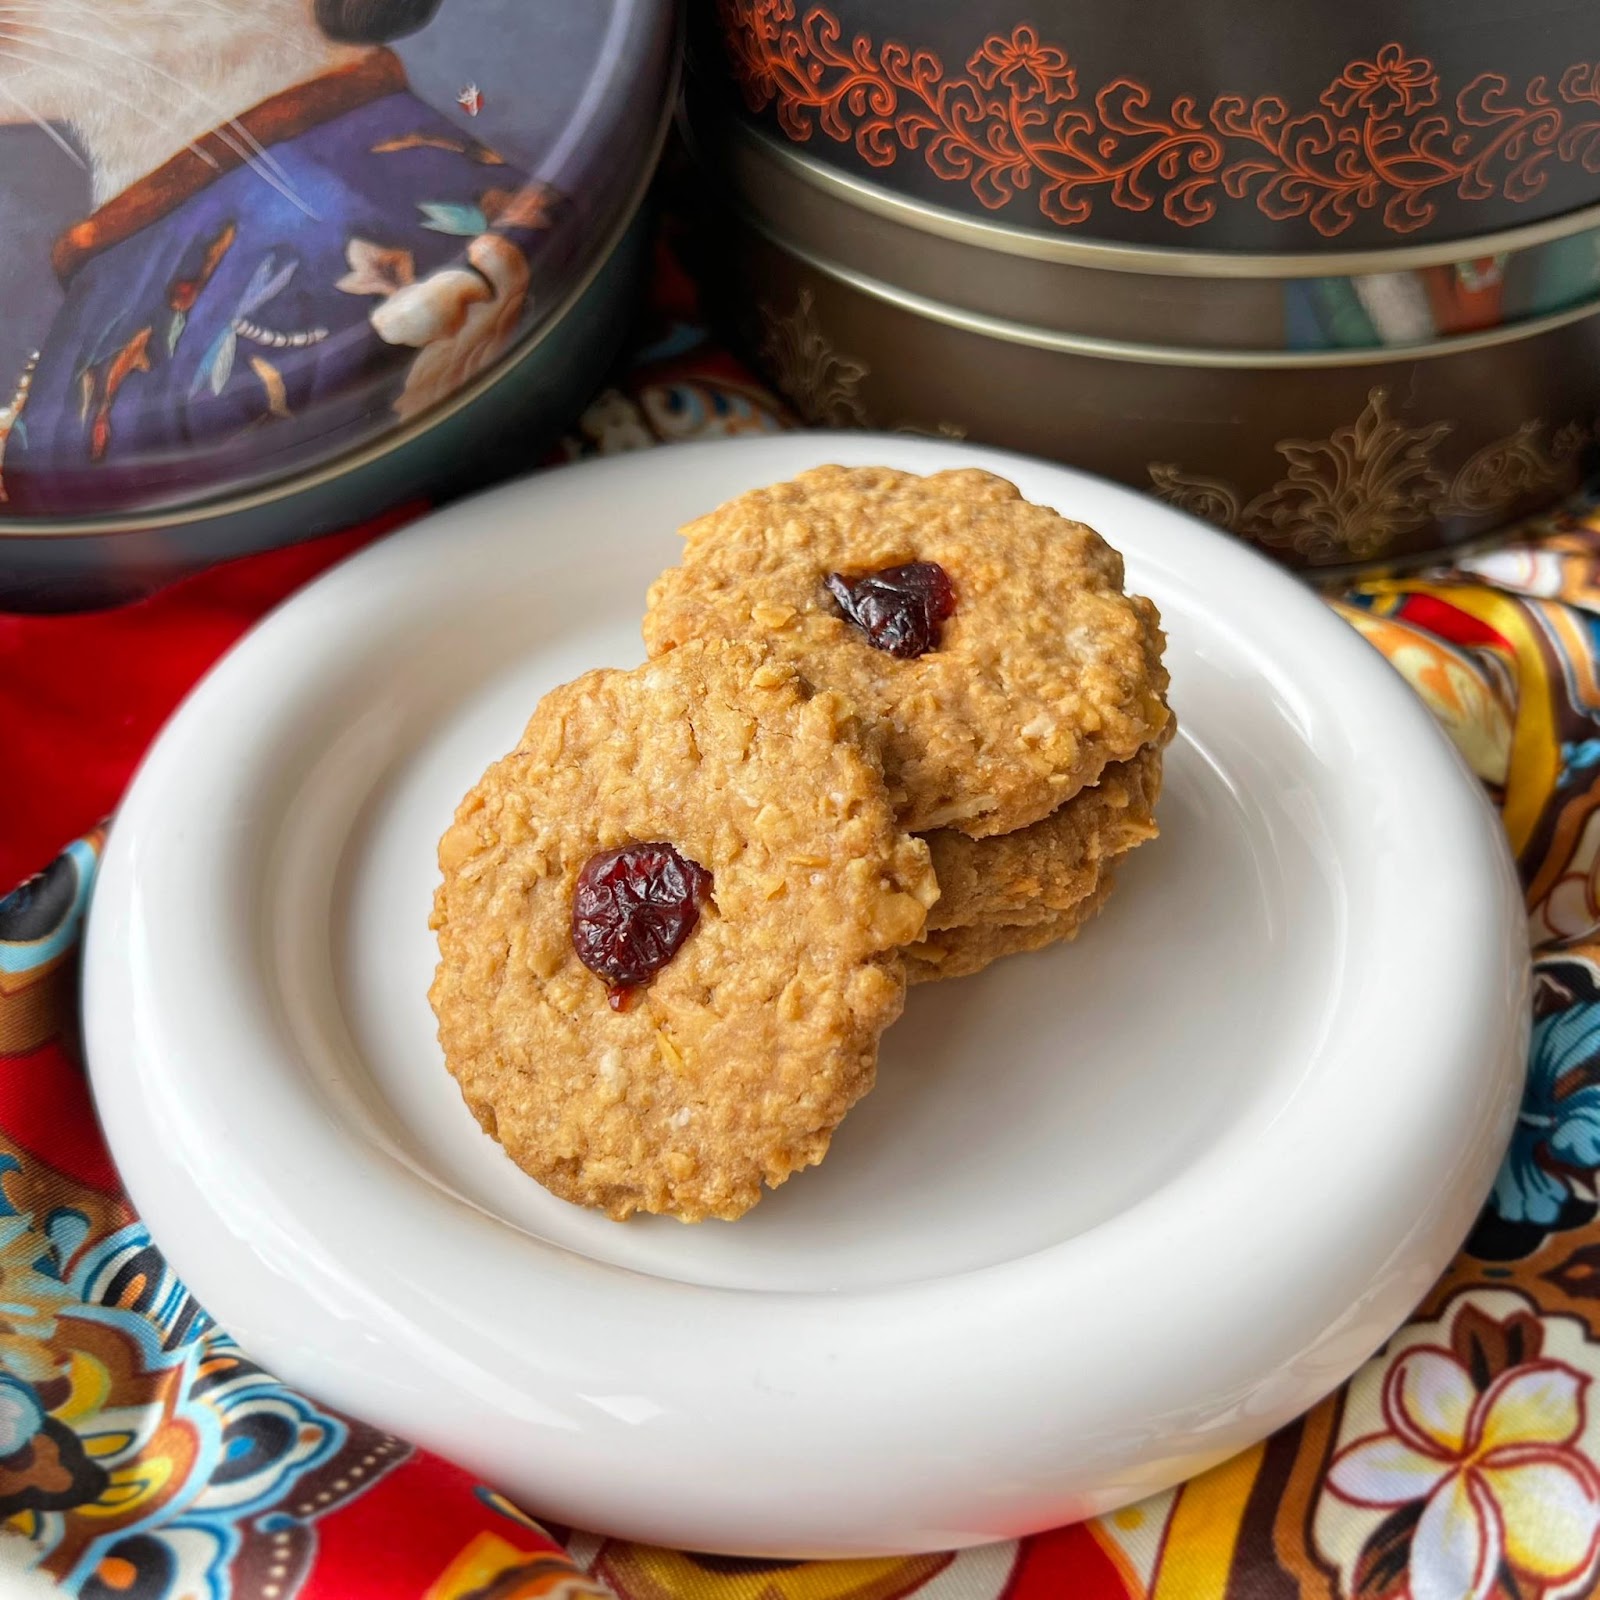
(891,729)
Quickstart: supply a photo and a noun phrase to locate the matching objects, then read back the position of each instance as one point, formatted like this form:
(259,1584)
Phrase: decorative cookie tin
(1227,301)
(1191,375)
(1185,122)
(269,265)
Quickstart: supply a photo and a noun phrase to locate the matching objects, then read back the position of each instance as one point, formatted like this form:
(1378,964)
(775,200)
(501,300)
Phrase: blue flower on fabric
(1556,1144)
(1579,756)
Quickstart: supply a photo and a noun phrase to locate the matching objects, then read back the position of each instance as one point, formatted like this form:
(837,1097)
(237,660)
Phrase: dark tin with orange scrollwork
(1335,411)
(1300,126)
(1368,458)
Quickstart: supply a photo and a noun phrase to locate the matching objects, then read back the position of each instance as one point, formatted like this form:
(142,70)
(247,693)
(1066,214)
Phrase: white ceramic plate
(1112,1212)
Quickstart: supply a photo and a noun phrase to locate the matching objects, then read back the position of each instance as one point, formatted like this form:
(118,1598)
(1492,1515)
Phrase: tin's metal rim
(1157,260)
(291,484)
(1023,333)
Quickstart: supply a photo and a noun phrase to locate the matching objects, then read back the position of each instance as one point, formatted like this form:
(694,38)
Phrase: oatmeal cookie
(987,639)
(735,816)
(959,952)
(1039,871)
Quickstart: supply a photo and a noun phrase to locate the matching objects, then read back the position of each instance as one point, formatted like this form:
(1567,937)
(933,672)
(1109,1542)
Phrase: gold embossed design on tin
(1217,420)
(1369,484)
(822,385)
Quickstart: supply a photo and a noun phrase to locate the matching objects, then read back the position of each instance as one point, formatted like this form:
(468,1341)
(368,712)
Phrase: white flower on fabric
(1496,1472)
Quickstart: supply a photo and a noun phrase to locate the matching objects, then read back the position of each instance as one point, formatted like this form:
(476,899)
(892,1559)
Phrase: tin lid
(1072,292)
(237,242)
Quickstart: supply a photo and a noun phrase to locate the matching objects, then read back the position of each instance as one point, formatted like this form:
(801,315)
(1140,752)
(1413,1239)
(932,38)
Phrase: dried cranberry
(898,608)
(632,910)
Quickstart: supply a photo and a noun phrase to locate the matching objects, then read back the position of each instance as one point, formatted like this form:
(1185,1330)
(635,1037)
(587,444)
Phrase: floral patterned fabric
(143,1455)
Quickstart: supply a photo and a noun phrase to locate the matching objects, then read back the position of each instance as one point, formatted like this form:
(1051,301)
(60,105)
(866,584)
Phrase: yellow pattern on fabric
(489,1564)
(647,1572)
(1454,687)
(1535,746)
(1204,1530)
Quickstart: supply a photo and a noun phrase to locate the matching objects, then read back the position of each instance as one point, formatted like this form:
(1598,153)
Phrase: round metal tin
(490,430)
(316,232)
(1374,299)
(1325,459)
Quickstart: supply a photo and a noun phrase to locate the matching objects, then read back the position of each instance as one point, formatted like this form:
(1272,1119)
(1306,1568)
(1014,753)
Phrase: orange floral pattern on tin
(1380,139)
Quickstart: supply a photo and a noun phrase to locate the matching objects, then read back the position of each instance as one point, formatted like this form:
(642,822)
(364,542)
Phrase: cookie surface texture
(731,1066)
(1039,871)
(1044,671)
(960,952)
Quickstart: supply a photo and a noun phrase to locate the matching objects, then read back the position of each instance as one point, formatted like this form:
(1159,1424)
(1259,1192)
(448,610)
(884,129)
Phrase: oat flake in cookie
(735,1057)
(993,710)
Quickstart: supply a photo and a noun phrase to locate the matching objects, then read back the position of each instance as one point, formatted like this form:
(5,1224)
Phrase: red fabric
(1067,1561)
(1438,616)
(77,744)
(419,1522)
